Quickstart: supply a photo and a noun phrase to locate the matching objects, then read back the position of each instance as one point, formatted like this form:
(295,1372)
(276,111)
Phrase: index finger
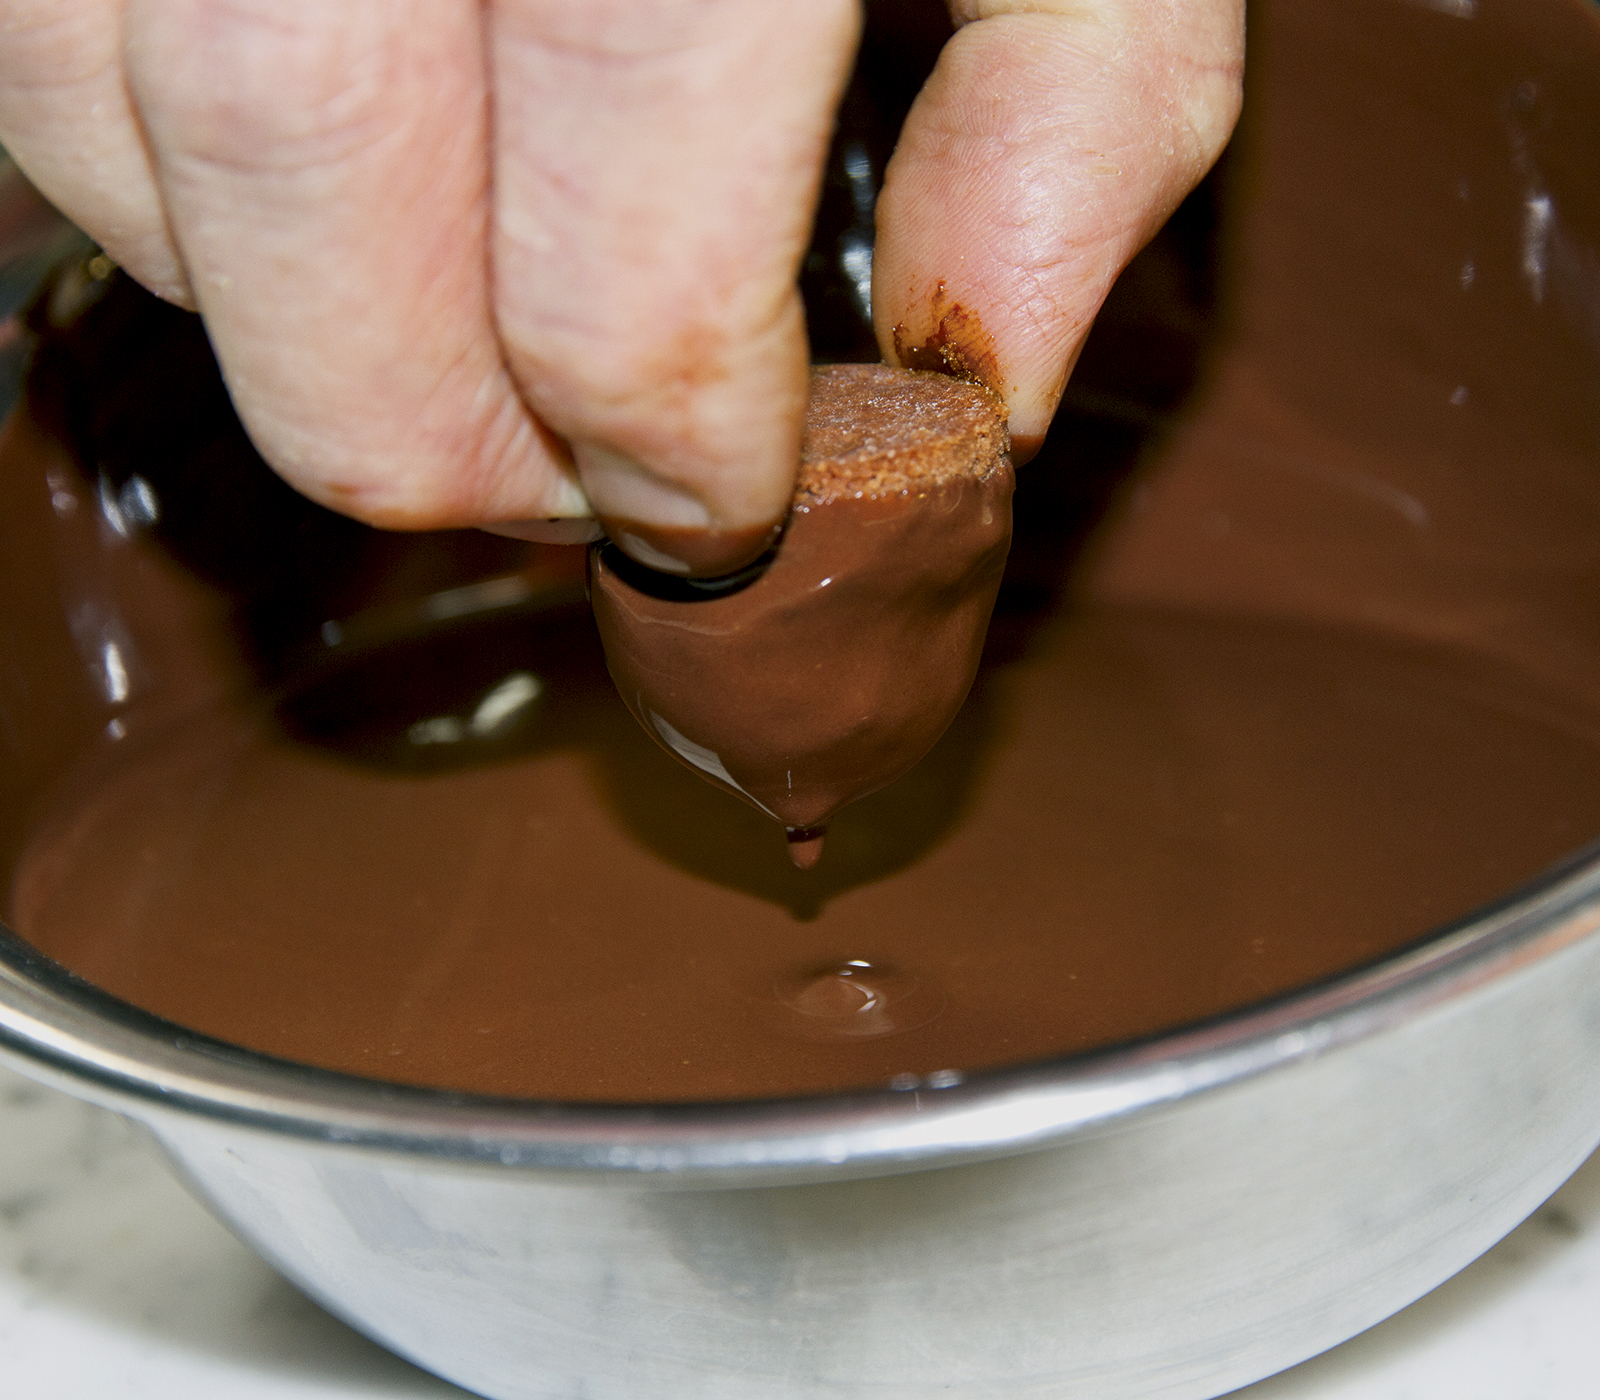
(656,167)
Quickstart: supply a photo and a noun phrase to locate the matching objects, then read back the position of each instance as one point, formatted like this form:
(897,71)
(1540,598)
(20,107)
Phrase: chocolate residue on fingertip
(958,345)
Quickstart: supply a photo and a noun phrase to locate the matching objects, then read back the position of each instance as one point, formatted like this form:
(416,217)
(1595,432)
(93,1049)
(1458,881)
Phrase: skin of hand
(522,263)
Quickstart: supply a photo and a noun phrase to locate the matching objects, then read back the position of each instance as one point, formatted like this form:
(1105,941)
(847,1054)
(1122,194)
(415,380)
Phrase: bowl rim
(60,1029)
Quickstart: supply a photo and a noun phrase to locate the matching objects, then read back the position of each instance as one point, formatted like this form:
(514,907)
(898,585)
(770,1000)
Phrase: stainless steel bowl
(1175,1218)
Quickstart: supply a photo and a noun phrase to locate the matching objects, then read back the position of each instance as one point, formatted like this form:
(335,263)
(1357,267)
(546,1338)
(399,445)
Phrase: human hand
(595,309)
(464,264)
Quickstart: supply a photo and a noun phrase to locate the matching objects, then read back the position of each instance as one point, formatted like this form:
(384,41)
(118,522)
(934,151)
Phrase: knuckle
(264,87)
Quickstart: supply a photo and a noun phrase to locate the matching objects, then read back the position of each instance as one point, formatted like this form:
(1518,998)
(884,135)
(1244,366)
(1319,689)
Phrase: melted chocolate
(829,671)
(1296,659)
(1149,819)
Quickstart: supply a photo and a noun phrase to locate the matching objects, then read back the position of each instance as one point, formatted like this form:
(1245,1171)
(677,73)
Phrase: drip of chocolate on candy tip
(805,845)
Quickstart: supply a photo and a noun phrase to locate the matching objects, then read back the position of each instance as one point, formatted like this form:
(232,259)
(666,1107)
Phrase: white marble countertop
(114,1284)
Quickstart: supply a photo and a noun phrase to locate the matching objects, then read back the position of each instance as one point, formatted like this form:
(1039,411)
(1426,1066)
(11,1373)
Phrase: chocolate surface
(1296,660)
(1149,819)
(837,665)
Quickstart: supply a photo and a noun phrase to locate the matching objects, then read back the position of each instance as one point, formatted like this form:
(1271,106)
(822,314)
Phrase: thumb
(1052,140)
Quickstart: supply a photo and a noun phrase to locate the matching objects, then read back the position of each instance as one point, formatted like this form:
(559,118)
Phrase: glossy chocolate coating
(837,664)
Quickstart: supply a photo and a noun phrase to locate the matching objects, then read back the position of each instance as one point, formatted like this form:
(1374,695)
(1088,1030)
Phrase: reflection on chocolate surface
(1296,658)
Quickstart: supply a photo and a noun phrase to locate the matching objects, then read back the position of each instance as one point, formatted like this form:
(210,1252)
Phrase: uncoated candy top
(876,431)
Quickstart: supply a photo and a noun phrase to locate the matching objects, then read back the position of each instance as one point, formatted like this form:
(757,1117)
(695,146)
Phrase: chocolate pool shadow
(714,836)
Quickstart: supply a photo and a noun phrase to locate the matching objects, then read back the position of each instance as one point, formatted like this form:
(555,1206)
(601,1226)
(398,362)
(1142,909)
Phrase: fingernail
(620,488)
(658,523)
(568,531)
